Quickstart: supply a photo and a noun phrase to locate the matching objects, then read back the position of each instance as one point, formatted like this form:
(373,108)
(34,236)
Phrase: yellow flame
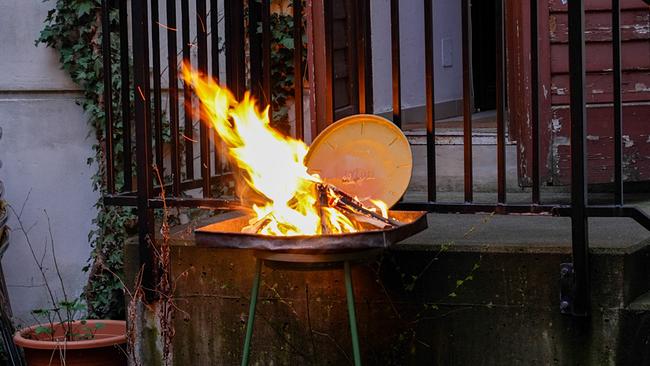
(381,205)
(272,164)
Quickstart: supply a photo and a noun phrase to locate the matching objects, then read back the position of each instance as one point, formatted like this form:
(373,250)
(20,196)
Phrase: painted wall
(447,26)
(43,149)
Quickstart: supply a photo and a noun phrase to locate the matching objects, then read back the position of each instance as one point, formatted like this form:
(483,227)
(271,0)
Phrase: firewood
(256,226)
(339,199)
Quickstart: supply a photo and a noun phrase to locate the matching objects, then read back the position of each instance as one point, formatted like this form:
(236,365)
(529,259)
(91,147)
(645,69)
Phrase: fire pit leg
(352,316)
(251,312)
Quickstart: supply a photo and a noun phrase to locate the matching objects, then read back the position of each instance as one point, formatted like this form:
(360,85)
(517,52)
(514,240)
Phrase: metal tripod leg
(251,312)
(352,316)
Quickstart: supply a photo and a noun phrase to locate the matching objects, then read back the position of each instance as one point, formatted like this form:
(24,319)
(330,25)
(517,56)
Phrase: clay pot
(107,348)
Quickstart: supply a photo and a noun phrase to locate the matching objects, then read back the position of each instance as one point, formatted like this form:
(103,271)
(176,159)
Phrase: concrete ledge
(410,307)
(451,108)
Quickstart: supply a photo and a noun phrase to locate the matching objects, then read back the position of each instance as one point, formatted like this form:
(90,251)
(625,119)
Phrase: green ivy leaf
(84,8)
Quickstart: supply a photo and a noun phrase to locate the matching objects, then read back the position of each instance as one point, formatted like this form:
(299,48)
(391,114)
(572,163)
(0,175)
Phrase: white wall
(447,24)
(44,148)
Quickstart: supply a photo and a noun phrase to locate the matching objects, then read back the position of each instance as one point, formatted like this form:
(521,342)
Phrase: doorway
(483,57)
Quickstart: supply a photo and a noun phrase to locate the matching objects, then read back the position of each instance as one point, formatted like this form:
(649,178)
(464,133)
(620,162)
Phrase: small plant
(61,321)
(73,330)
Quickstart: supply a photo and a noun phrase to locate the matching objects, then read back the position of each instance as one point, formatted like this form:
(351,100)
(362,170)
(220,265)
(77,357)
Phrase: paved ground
(495,232)
(498,231)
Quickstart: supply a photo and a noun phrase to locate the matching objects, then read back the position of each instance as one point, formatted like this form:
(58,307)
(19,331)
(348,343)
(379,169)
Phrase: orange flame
(272,164)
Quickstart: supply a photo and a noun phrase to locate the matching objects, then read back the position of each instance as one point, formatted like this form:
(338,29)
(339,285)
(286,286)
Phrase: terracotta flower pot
(107,348)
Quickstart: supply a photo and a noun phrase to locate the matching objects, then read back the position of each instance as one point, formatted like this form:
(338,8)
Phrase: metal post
(430,100)
(467,100)
(534,94)
(579,227)
(352,316)
(501,100)
(125,96)
(395,62)
(108,95)
(142,102)
(251,312)
(618,102)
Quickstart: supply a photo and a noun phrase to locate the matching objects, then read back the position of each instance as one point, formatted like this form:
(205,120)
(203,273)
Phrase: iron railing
(253,70)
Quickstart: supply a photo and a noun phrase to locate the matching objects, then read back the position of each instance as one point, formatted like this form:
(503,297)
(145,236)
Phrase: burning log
(344,201)
(256,226)
(323,201)
(332,197)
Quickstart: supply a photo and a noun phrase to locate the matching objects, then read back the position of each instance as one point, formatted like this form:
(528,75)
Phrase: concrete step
(450,168)
(449,155)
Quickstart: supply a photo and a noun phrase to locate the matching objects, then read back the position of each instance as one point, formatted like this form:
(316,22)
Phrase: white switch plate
(447,53)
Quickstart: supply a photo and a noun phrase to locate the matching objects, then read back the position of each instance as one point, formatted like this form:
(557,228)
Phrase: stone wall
(409,306)
(44,149)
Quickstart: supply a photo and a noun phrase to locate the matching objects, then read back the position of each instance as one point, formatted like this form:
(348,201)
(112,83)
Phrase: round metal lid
(364,155)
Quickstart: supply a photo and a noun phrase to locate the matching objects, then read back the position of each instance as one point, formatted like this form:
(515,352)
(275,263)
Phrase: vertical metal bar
(214,38)
(235,47)
(172,61)
(430,100)
(297,67)
(255,44)
(395,62)
(188,126)
(266,53)
(214,70)
(352,314)
(579,222)
(618,103)
(359,14)
(329,62)
(534,94)
(467,100)
(202,63)
(108,96)
(228,41)
(143,139)
(157,97)
(501,100)
(125,97)
(251,312)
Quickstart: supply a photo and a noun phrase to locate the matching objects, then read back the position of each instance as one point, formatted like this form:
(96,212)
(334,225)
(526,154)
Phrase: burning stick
(322,201)
(344,201)
(255,227)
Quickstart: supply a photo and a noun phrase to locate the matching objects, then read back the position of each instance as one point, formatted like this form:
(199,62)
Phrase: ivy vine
(73,28)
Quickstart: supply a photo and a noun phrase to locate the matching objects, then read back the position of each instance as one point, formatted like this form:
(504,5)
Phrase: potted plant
(62,335)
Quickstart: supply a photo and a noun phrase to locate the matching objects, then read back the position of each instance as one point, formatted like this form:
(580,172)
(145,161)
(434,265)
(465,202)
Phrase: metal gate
(246,53)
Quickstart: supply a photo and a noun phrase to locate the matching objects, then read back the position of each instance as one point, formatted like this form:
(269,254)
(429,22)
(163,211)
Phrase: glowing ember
(294,202)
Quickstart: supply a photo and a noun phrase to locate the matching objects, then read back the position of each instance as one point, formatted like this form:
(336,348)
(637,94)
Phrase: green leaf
(287,42)
(43,330)
(84,8)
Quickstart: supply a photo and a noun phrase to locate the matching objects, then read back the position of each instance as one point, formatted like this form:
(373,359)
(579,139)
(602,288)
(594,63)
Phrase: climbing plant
(73,28)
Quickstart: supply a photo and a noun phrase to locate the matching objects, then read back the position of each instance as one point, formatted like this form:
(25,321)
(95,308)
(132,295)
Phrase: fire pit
(228,234)
(326,204)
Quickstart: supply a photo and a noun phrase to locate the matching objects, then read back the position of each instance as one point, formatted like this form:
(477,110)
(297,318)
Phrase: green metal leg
(352,316)
(251,312)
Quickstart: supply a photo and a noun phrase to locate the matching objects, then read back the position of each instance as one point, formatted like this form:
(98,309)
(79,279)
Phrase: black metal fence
(246,26)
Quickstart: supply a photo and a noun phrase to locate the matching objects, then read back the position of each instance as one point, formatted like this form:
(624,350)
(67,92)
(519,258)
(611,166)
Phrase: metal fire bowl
(227,234)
